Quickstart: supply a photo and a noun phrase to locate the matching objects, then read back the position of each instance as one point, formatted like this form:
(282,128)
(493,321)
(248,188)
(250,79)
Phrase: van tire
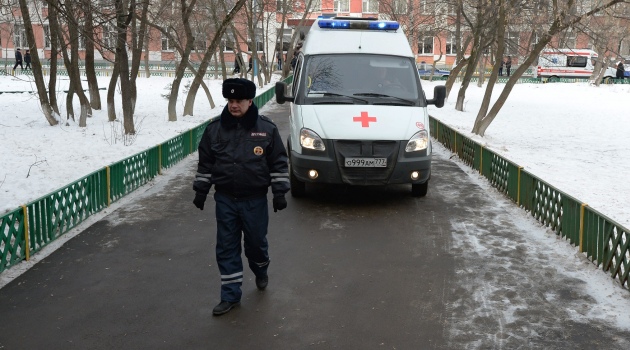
(419,190)
(298,188)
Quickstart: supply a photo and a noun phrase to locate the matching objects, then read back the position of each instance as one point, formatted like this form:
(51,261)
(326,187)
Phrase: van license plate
(366,162)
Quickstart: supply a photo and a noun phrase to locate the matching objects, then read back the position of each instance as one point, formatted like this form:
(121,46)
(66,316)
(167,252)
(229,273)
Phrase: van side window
(576,61)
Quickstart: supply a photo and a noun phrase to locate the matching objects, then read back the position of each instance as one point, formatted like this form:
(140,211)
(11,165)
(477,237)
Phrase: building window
(280,8)
(451,47)
(534,40)
(316,5)
(511,43)
(427,7)
(199,42)
(258,40)
(167,45)
(81,37)
(110,36)
(370,6)
(341,5)
(285,38)
(400,6)
(425,45)
(19,36)
(47,40)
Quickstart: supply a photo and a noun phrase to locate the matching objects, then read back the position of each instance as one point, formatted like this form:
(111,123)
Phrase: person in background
(27,59)
(620,70)
(241,153)
(263,62)
(279,58)
(501,67)
(508,65)
(18,59)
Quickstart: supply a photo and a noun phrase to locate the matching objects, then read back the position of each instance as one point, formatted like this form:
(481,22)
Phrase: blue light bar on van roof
(350,24)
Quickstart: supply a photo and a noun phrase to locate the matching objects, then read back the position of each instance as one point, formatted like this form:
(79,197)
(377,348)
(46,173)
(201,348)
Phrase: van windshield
(360,79)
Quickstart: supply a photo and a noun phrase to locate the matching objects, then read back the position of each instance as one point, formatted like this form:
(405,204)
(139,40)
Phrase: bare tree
(216,40)
(562,18)
(88,33)
(37,71)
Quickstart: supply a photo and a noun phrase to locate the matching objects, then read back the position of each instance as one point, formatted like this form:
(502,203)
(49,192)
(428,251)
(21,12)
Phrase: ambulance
(569,63)
(358,114)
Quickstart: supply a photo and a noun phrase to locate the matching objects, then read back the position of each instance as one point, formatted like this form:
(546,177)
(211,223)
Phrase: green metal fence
(26,230)
(603,241)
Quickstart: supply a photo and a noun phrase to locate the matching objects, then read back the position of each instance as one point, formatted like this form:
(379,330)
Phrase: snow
(571,135)
(38,159)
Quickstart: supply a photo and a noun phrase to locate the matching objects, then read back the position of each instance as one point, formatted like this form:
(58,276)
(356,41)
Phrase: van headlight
(309,139)
(418,142)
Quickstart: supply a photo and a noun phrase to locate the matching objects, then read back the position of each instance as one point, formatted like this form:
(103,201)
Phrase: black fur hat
(239,89)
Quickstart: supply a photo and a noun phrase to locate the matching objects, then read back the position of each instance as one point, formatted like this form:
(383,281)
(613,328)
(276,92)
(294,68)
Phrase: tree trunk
(69,106)
(122,60)
(54,53)
(138,44)
(111,91)
(90,73)
(73,67)
(470,70)
(183,64)
(203,66)
(454,74)
(480,122)
(37,69)
(474,57)
(147,71)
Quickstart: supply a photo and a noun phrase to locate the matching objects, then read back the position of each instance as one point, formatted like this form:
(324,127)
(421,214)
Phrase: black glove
(279,203)
(200,199)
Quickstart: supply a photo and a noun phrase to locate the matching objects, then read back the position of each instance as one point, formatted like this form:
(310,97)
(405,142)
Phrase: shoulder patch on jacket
(267,119)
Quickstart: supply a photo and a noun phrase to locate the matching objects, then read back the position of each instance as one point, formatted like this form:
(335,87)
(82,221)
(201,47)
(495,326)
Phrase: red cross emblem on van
(364,119)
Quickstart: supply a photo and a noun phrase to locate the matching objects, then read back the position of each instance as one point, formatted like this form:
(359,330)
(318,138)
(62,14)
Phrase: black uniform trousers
(236,220)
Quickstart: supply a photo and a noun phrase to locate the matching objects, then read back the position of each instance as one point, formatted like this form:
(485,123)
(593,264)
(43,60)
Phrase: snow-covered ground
(571,135)
(38,158)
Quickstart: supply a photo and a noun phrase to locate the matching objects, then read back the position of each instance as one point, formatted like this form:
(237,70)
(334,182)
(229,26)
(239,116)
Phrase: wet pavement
(351,268)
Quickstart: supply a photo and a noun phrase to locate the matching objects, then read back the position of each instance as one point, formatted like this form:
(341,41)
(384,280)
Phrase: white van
(358,112)
(554,64)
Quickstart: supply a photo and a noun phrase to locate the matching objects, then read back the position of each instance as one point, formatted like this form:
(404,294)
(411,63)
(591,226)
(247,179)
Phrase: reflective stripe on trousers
(236,220)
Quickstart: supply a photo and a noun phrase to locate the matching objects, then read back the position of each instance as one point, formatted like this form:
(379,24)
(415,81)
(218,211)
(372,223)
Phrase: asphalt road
(351,268)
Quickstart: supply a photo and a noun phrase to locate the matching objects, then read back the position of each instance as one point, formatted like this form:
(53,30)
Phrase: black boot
(224,307)
(261,282)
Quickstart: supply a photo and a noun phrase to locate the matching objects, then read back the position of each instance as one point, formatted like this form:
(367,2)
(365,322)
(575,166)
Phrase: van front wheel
(419,190)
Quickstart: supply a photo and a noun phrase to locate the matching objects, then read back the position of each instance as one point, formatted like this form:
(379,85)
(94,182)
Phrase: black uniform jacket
(242,157)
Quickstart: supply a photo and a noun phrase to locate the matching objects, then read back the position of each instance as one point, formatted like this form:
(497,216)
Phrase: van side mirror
(281,89)
(439,95)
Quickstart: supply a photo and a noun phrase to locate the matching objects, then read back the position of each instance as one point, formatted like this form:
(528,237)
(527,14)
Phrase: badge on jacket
(258,151)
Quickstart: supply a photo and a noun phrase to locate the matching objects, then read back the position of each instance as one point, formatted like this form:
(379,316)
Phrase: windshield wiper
(373,94)
(329,93)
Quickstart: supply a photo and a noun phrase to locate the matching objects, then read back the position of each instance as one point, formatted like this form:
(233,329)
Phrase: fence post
(518,184)
(582,227)
(160,159)
(109,192)
(481,159)
(27,243)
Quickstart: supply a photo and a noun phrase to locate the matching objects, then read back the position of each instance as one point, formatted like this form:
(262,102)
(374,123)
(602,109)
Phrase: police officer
(241,154)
